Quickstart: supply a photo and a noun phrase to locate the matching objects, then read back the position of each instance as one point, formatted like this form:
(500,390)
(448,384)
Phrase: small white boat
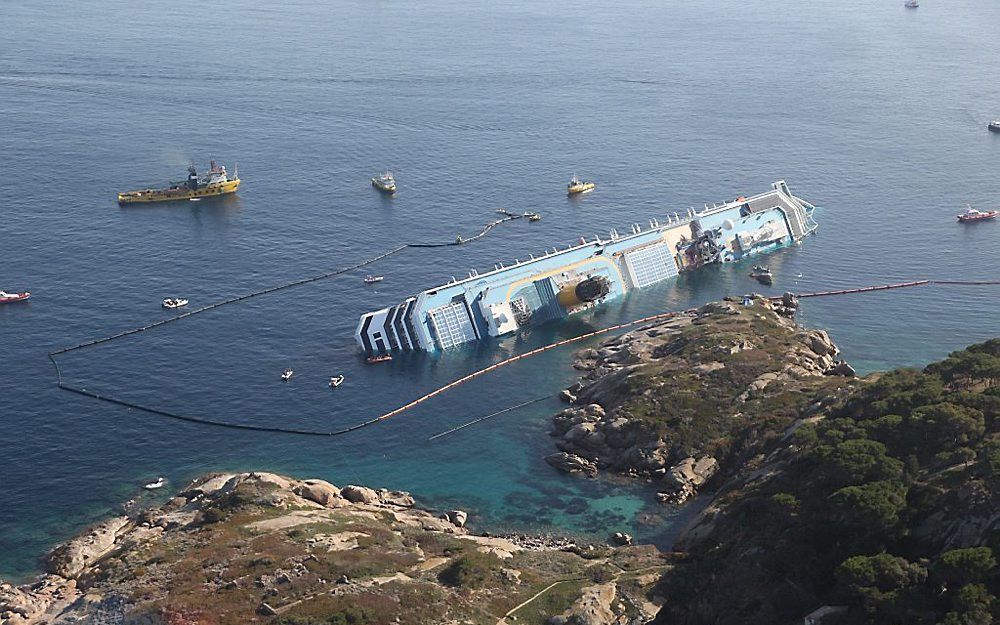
(174,302)
(336,381)
(971,215)
(911,4)
(762,274)
(6,298)
(287,374)
(157,484)
(994,126)
(369,279)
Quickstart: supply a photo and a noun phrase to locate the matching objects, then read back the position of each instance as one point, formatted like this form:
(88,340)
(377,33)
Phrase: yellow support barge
(215,183)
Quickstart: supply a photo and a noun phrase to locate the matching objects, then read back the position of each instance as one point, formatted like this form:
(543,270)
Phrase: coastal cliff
(685,402)
(884,507)
(833,499)
(264,548)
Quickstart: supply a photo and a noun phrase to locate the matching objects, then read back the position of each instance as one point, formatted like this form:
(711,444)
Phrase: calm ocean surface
(875,113)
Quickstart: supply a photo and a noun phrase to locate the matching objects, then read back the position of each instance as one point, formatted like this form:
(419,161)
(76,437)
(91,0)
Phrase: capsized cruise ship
(563,282)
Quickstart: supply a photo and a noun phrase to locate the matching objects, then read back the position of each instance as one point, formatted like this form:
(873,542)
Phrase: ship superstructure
(563,282)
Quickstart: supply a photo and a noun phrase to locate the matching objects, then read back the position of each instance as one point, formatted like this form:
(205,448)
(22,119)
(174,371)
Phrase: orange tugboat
(216,182)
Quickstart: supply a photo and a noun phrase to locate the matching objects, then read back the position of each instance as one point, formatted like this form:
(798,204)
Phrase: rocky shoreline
(74,566)
(684,404)
(244,547)
(745,355)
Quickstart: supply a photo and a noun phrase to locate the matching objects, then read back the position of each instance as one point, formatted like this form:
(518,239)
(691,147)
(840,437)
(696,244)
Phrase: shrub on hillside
(470,570)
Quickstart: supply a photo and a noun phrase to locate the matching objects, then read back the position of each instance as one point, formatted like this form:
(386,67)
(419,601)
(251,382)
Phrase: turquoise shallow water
(875,113)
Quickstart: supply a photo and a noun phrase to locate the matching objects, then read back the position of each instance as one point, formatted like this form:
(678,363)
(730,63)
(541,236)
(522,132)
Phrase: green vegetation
(704,413)
(470,570)
(887,506)
(553,602)
(348,615)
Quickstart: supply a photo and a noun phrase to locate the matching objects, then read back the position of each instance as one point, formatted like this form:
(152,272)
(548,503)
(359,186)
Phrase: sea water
(875,113)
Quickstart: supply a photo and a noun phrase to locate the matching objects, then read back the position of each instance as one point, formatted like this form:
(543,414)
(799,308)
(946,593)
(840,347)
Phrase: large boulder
(323,493)
(272,479)
(585,435)
(820,342)
(571,463)
(620,433)
(399,498)
(841,367)
(684,479)
(214,485)
(655,458)
(457,517)
(359,494)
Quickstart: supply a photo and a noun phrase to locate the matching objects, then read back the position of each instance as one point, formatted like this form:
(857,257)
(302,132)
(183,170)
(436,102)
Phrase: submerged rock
(571,463)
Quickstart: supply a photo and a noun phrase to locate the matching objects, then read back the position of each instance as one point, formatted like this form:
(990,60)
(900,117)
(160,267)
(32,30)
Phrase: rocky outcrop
(359,494)
(231,548)
(655,402)
(323,493)
(71,558)
(36,602)
(74,565)
(457,517)
(782,523)
(398,498)
(594,607)
(685,478)
(571,463)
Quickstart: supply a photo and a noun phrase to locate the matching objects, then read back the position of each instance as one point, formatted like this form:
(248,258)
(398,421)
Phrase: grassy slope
(890,506)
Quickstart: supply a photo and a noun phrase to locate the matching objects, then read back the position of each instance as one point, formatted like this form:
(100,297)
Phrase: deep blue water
(873,112)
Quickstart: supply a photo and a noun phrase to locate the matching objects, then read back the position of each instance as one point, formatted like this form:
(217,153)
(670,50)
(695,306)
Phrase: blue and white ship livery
(563,282)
